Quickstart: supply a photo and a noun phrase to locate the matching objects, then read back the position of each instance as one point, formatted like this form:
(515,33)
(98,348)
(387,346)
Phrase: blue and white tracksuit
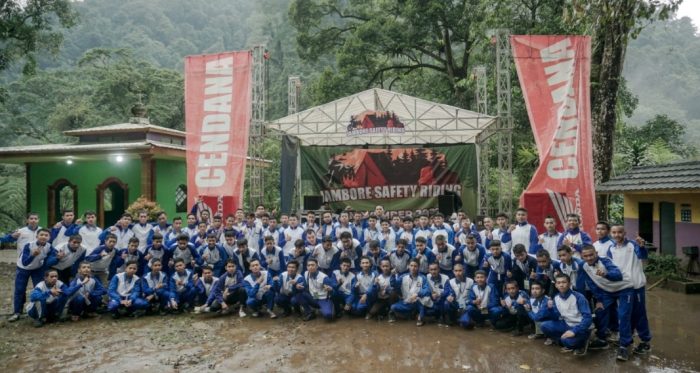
(570,313)
(122,287)
(33,267)
(408,286)
(628,257)
(88,296)
(257,294)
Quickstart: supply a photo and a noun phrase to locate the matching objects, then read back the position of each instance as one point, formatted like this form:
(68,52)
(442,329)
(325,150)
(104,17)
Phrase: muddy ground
(189,343)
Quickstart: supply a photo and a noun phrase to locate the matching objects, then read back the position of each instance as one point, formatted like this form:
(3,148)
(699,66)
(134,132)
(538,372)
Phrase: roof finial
(139,112)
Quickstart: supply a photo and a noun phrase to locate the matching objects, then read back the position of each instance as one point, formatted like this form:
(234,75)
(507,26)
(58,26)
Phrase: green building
(105,170)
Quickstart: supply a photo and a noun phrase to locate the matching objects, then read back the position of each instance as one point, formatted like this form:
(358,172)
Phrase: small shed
(661,203)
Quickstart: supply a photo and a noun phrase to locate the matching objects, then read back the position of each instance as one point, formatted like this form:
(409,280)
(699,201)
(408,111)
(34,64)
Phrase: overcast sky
(690,8)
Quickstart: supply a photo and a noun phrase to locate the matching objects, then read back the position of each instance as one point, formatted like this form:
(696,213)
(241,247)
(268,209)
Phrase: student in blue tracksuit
(48,299)
(125,293)
(523,233)
(300,255)
(317,293)
(570,318)
(69,254)
(628,256)
(131,253)
(342,296)
(228,291)
(61,232)
(546,270)
(483,303)
(424,255)
(122,231)
(435,303)
(156,250)
(609,287)
(182,286)
(513,315)
(574,237)
(200,237)
(24,235)
(523,266)
(375,254)
(203,286)
(571,266)
(258,287)
(457,295)
(400,258)
(411,287)
(498,264)
(155,286)
(361,288)
(536,309)
(350,248)
(272,257)
(383,294)
(471,255)
(33,260)
(440,228)
(213,255)
(243,256)
(328,256)
(445,254)
(288,287)
(88,297)
(186,251)
(103,259)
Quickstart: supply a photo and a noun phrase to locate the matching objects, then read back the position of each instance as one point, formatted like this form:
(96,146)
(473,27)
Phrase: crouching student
(457,295)
(182,285)
(514,316)
(125,293)
(89,294)
(258,287)
(361,287)
(483,303)
(411,287)
(156,288)
(228,291)
(342,296)
(383,294)
(48,299)
(319,288)
(571,318)
(203,286)
(537,310)
(435,304)
(288,286)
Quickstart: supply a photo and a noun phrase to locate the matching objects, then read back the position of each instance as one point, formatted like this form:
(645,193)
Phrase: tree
(28,26)
(612,24)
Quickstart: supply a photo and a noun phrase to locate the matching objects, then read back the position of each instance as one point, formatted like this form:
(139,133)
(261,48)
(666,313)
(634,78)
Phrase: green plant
(143,203)
(668,266)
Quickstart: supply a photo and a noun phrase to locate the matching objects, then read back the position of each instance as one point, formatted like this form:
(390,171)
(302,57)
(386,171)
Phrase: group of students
(357,264)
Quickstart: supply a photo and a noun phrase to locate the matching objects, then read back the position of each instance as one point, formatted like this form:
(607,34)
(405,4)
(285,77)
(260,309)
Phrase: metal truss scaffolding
(483,140)
(293,93)
(256,133)
(505,121)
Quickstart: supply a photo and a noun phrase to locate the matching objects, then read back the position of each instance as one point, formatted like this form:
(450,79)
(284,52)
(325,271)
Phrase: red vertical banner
(554,73)
(217,115)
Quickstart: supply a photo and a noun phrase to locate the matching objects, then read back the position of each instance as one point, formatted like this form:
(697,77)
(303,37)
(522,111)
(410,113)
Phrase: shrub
(668,266)
(143,203)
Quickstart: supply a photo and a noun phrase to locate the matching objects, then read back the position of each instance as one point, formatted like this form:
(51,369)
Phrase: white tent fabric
(425,122)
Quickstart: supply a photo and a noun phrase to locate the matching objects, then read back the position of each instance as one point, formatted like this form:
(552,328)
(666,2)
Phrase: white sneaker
(241,313)
(548,342)
(13,318)
(272,315)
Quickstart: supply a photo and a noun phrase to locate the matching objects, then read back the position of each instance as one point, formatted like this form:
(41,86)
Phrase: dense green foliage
(118,51)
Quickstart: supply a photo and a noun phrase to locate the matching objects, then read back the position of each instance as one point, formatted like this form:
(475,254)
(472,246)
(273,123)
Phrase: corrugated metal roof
(124,127)
(671,176)
(52,148)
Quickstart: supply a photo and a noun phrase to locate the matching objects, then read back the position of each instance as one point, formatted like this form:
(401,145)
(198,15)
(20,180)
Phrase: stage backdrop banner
(217,113)
(404,180)
(554,73)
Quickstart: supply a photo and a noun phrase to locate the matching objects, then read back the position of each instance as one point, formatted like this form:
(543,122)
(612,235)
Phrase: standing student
(69,254)
(536,309)
(609,288)
(90,232)
(288,287)
(513,315)
(299,254)
(228,291)
(344,226)
(361,288)
(191,229)
(523,266)
(170,237)
(387,237)
(522,232)
(408,233)
(370,233)
(258,286)
(498,264)
(253,232)
(24,235)
(570,318)
(200,237)
(34,258)
(142,230)
(317,294)
(574,237)
(125,293)
(457,295)
(471,256)
(291,234)
(483,303)
(327,225)
(272,257)
(161,224)
(88,297)
(571,266)
(501,232)
(61,232)
(182,286)
(156,288)
(122,231)
(603,241)
(486,234)
(48,299)
(628,256)
(549,239)
(411,287)
(103,259)
(440,228)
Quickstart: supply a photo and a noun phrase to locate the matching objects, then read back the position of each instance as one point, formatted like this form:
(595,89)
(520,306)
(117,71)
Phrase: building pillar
(147,172)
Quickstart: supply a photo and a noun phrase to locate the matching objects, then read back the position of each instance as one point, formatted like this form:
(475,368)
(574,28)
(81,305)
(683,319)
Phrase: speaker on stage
(313,202)
(446,204)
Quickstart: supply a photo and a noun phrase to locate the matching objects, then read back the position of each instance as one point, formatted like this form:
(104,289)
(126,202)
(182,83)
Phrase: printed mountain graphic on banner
(403,166)
(371,122)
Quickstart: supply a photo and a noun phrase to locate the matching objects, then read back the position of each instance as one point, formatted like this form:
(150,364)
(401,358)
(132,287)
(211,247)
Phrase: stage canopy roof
(425,122)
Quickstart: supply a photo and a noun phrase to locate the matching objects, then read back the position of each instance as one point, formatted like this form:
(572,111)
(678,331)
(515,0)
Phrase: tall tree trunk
(608,60)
